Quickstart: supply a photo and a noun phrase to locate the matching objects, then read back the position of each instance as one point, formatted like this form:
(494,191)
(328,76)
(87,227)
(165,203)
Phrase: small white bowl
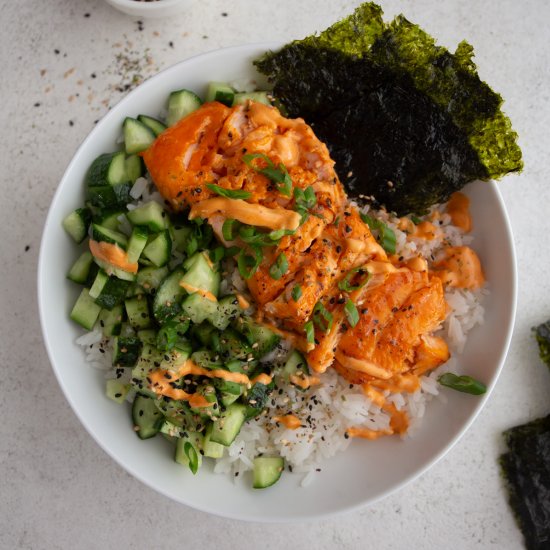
(155,8)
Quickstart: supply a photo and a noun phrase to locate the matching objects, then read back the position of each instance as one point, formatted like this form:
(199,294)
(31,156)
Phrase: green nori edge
(542,336)
(526,469)
(406,121)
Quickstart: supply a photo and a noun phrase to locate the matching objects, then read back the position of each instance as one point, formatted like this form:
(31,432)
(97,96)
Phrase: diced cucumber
(180,104)
(220,91)
(167,302)
(150,278)
(180,236)
(152,123)
(294,364)
(110,219)
(267,471)
(229,391)
(81,268)
(76,224)
(203,333)
(108,169)
(198,308)
(85,311)
(159,248)
(137,136)
(151,214)
(108,291)
(232,346)
(111,321)
(148,336)
(209,448)
(104,234)
(126,350)
(209,393)
(201,274)
(206,359)
(228,310)
(116,390)
(243,97)
(137,310)
(109,196)
(259,337)
(188,451)
(147,418)
(228,425)
(136,244)
(134,168)
(115,271)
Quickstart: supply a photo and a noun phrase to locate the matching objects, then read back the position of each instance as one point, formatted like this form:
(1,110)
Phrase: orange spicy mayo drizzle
(193,289)
(304,381)
(161,379)
(460,268)
(112,254)
(251,214)
(289,421)
(399,421)
(458,209)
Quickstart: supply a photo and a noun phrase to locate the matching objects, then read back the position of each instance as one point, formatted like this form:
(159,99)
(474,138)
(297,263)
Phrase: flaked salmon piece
(391,347)
(399,306)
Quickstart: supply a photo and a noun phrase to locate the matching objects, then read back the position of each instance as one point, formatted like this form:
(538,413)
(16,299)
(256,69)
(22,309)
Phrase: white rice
(328,410)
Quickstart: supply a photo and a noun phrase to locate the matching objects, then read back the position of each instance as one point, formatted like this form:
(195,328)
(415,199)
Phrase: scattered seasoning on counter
(27,248)
(87,15)
(224,14)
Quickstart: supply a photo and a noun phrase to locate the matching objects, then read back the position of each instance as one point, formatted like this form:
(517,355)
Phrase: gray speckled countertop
(64,62)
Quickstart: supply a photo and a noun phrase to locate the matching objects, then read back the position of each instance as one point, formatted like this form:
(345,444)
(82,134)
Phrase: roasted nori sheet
(407,122)
(526,469)
(542,336)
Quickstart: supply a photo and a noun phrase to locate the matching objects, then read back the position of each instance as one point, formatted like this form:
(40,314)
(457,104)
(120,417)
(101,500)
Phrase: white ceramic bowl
(154,9)
(366,472)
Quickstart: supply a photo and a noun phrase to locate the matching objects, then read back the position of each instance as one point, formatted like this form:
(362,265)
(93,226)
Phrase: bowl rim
(153,6)
(499,203)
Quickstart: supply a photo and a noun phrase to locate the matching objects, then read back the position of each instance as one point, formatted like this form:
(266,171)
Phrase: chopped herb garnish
(229,193)
(279,268)
(229,229)
(322,317)
(416,220)
(364,277)
(351,313)
(296,292)
(385,235)
(310,332)
(249,263)
(277,174)
(193,457)
(465,384)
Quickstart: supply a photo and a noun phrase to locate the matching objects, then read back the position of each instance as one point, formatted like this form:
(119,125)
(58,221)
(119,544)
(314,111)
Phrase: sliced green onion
(465,384)
(231,251)
(345,284)
(229,229)
(351,313)
(415,220)
(279,268)
(322,317)
(277,174)
(336,221)
(310,332)
(248,264)
(386,235)
(192,456)
(296,293)
(170,334)
(229,193)
(217,254)
(278,234)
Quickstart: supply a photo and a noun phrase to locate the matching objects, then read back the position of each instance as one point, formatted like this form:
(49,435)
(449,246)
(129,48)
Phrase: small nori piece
(406,121)
(526,468)
(542,335)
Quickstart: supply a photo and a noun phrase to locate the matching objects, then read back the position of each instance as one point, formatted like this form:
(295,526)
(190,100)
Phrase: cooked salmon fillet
(399,306)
